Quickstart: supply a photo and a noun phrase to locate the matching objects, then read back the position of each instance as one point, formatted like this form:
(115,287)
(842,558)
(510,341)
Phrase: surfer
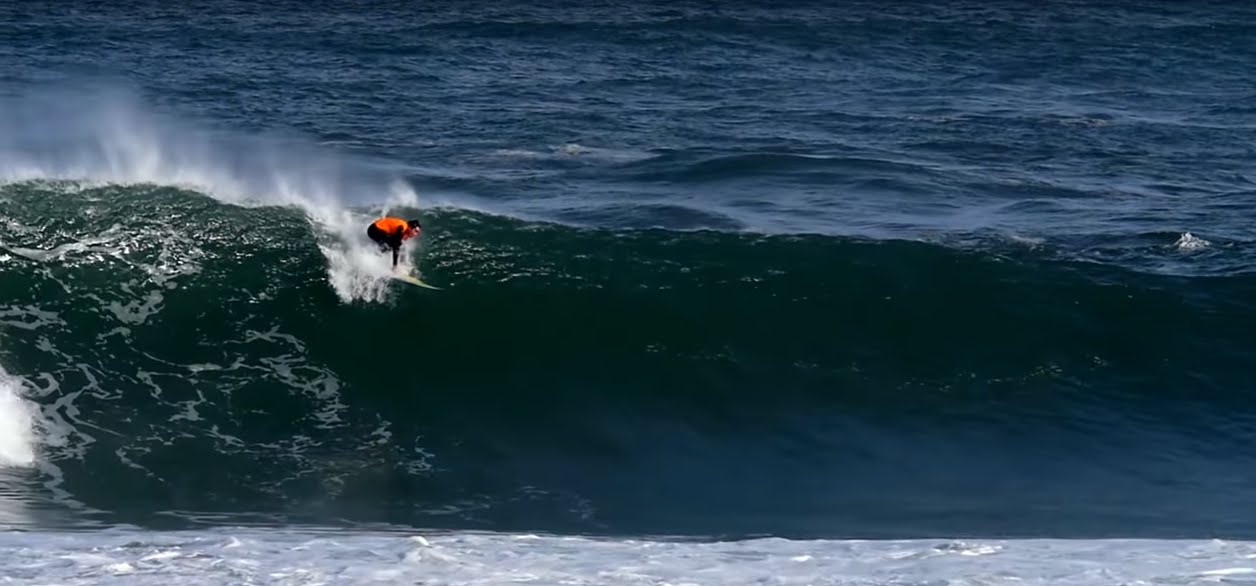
(389,233)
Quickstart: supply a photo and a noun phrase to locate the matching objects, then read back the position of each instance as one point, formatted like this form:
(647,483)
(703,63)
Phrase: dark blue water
(863,269)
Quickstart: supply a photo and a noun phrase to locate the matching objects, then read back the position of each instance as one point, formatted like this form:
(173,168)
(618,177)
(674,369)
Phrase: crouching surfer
(389,233)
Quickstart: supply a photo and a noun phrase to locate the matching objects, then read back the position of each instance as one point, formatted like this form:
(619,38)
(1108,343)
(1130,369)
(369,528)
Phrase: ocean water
(820,293)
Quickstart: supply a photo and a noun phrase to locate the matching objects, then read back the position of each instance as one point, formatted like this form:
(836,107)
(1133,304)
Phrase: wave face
(195,358)
(952,270)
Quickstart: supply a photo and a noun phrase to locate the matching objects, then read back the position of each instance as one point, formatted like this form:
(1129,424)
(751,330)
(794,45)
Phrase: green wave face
(195,361)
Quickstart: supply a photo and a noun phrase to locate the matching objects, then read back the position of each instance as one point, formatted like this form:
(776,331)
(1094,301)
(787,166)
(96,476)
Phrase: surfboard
(413,280)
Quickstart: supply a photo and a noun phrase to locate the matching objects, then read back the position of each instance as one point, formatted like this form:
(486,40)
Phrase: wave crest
(112,137)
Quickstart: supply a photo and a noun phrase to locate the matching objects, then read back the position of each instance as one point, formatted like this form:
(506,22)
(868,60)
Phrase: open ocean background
(846,292)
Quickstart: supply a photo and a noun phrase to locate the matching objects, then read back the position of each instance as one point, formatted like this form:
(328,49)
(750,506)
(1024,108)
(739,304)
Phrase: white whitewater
(255,556)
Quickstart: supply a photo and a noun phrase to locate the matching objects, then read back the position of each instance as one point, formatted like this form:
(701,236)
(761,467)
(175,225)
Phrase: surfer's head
(413,227)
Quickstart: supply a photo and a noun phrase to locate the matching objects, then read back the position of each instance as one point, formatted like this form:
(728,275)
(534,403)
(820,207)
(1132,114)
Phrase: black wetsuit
(387,240)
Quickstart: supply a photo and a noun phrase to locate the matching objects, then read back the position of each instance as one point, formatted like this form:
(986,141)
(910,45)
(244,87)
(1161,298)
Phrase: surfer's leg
(378,237)
(394,242)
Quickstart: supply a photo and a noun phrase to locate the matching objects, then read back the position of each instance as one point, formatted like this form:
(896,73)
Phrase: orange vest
(392,225)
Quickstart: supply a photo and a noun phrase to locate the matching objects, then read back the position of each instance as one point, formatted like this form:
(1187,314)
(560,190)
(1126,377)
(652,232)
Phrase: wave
(210,339)
(598,380)
(694,167)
